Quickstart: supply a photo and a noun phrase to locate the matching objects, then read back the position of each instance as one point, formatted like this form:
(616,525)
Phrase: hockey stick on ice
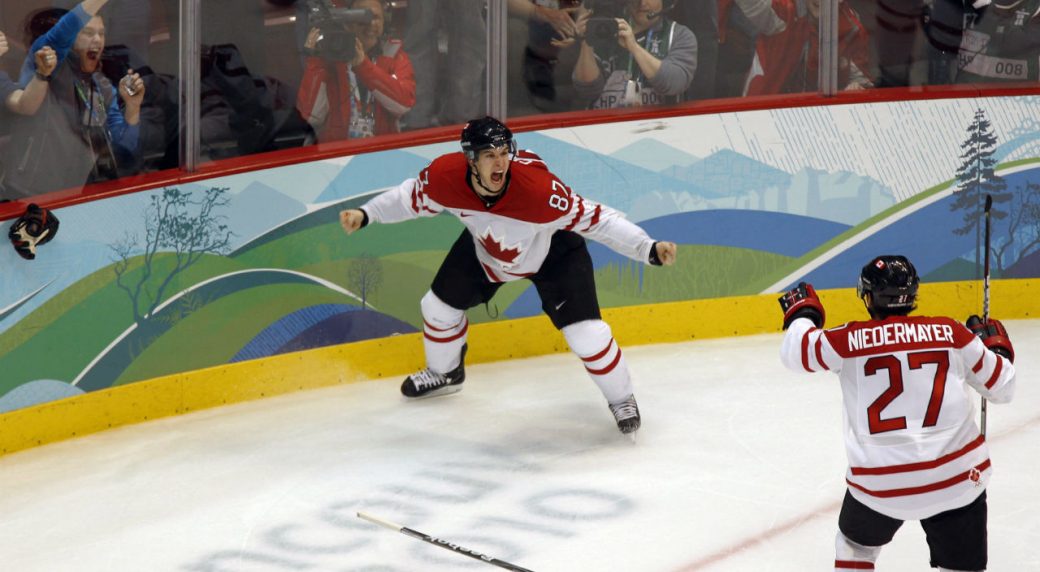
(445,544)
(985,296)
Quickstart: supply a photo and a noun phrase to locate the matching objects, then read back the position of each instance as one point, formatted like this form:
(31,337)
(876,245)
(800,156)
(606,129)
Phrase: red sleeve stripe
(978,366)
(922,466)
(608,369)
(415,199)
(602,353)
(819,353)
(996,373)
(461,333)
(852,565)
(578,215)
(805,351)
(939,485)
(595,218)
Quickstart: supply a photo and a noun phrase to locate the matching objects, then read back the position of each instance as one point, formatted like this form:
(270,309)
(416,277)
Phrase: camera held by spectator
(336,42)
(601,30)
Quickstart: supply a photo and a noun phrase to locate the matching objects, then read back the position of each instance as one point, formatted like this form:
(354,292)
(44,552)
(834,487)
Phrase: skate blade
(446,390)
(632,435)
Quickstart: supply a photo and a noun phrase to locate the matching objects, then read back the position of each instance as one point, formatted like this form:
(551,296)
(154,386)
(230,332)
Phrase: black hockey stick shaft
(985,294)
(445,544)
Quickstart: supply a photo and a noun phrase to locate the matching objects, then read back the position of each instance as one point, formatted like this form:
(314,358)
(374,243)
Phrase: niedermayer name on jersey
(898,333)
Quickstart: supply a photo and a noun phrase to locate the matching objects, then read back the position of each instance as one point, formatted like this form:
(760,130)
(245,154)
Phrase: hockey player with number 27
(914,450)
(520,221)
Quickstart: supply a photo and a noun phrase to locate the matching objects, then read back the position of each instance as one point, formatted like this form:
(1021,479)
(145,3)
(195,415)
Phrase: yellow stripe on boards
(396,356)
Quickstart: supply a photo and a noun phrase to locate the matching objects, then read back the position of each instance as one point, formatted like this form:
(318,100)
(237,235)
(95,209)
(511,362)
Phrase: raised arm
(28,101)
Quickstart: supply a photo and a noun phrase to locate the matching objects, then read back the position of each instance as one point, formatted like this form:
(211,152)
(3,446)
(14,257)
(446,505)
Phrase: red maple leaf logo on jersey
(496,249)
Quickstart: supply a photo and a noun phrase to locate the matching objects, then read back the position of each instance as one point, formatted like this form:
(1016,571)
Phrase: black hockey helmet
(892,283)
(486,133)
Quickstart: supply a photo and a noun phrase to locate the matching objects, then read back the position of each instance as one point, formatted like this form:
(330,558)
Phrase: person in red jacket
(788,61)
(361,92)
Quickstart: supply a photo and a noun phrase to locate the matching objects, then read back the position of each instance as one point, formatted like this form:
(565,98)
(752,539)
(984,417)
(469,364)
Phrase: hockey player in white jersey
(520,221)
(914,450)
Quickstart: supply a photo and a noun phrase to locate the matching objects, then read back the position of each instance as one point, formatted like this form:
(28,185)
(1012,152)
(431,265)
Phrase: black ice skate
(428,383)
(626,413)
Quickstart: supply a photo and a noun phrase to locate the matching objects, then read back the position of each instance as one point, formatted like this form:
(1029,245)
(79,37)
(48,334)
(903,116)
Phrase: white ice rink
(739,467)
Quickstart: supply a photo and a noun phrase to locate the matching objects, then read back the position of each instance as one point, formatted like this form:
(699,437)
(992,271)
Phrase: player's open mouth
(93,55)
(497,176)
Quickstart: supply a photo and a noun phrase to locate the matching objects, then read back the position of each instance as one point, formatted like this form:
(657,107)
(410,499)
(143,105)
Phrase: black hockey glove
(802,302)
(993,334)
(34,228)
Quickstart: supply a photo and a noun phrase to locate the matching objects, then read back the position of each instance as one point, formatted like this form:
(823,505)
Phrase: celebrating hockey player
(914,450)
(521,222)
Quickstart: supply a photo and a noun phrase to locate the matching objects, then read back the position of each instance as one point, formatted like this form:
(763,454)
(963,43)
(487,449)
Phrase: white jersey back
(913,447)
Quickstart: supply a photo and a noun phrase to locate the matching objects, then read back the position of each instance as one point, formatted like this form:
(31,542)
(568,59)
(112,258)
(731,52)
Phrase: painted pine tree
(976,178)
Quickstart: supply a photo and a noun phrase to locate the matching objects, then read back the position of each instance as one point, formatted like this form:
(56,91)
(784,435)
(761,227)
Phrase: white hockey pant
(592,341)
(850,557)
(444,333)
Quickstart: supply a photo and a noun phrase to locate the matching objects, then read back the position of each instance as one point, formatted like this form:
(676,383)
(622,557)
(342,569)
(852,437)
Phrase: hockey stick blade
(445,544)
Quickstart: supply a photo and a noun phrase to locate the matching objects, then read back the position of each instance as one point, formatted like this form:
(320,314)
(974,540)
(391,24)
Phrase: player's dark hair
(891,281)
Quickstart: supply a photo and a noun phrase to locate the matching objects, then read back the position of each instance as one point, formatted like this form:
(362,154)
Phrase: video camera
(336,41)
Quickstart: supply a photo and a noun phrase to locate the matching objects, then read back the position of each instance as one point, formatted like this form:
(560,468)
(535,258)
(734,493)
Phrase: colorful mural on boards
(255,264)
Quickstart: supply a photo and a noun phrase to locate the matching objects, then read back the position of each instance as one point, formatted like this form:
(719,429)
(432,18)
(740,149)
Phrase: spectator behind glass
(1002,45)
(651,61)
(550,29)
(451,89)
(741,22)
(359,90)
(702,18)
(80,134)
(788,62)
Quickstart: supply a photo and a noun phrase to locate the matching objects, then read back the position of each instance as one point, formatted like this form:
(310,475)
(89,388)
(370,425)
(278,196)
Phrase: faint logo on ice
(513,513)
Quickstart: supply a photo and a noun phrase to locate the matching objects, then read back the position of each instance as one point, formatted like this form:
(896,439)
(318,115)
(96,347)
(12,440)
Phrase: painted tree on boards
(1023,226)
(180,228)
(976,178)
(364,276)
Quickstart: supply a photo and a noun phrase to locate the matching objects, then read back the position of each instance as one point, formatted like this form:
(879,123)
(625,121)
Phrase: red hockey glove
(993,334)
(802,302)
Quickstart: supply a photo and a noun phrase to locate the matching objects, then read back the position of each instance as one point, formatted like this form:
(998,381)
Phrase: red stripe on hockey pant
(819,352)
(978,366)
(923,465)
(996,373)
(954,480)
(600,354)
(805,352)
(607,369)
(449,338)
(850,565)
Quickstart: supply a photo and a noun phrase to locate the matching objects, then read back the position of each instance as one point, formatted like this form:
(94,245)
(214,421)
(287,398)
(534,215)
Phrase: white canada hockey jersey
(913,447)
(511,235)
